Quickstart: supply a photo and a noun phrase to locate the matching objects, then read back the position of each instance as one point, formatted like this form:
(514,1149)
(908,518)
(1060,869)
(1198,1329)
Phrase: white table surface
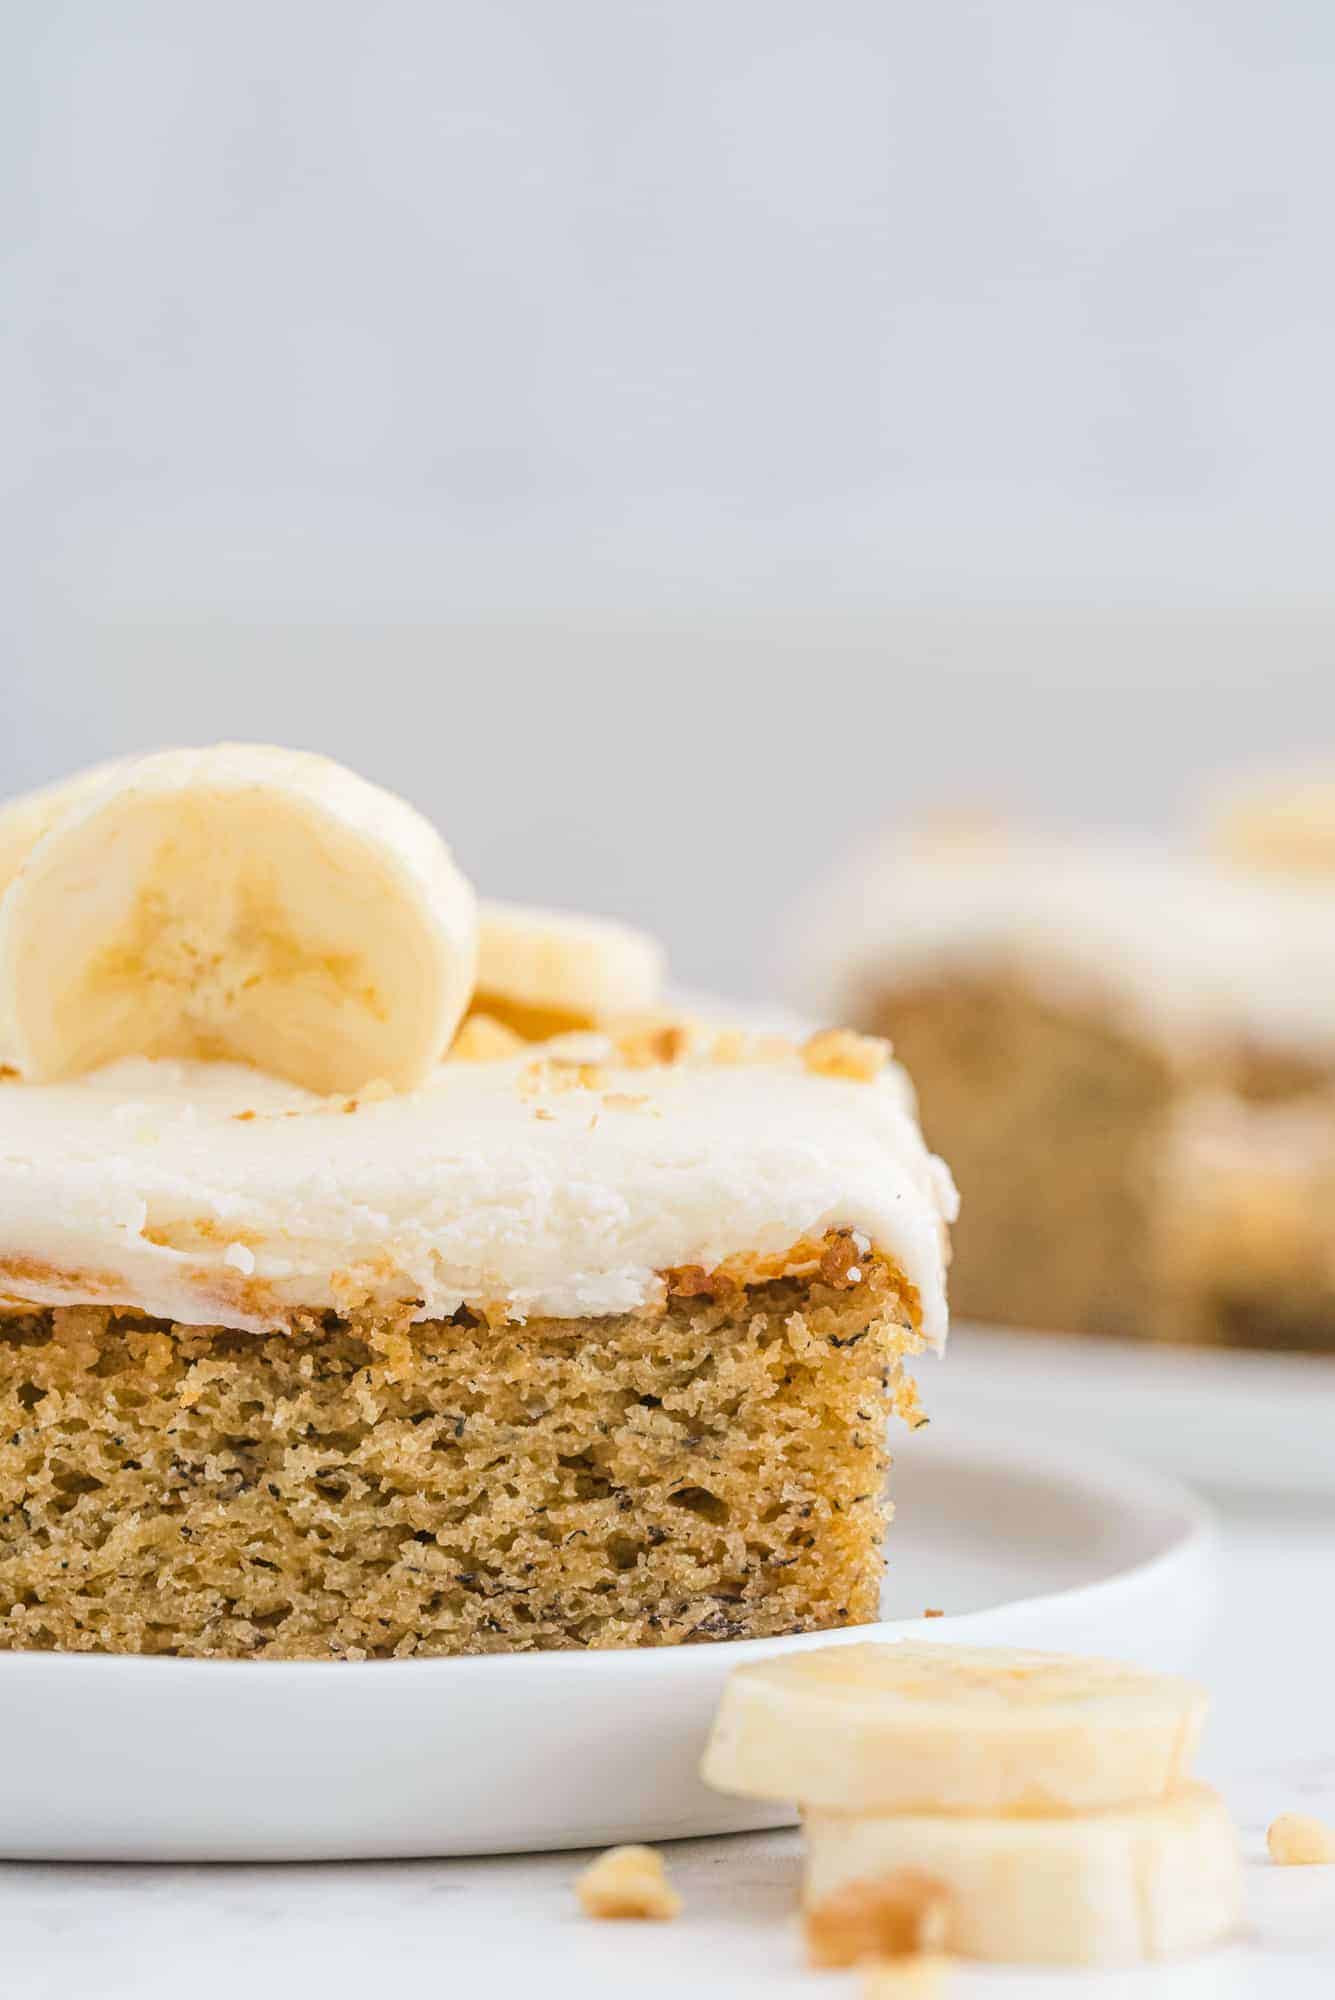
(510,1926)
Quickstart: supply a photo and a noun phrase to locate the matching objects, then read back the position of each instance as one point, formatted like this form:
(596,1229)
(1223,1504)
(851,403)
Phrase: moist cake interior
(360,1487)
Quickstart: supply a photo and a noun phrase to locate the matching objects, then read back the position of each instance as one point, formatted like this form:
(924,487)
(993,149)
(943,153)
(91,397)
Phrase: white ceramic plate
(1225,1418)
(181,1760)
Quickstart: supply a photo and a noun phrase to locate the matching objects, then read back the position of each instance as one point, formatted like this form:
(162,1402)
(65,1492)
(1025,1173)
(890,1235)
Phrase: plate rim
(1189,1538)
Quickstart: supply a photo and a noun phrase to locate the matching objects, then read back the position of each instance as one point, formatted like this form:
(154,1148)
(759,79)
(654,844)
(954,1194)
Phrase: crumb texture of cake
(360,1488)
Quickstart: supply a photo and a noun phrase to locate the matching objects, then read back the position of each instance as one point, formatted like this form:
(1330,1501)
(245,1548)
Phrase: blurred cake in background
(1244,1248)
(1065,1007)
(1282,822)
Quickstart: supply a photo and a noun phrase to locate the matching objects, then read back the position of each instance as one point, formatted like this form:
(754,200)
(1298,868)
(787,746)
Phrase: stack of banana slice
(269,906)
(1018,1807)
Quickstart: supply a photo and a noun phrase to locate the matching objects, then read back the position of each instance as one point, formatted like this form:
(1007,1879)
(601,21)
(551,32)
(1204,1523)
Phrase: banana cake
(584,1341)
(1061,1007)
(1245,1242)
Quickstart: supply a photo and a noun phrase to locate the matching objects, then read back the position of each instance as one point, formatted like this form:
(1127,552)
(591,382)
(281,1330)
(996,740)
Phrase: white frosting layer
(1189,947)
(141,1185)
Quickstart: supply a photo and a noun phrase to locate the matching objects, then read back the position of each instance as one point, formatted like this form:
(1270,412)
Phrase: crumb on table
(1297,1840)
(627,1882)
(901,1915)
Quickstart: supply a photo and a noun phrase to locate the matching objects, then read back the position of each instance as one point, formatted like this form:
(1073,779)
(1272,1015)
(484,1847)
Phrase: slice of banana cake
(588,1341)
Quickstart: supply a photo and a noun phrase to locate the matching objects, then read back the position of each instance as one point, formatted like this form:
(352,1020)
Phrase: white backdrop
(567,412)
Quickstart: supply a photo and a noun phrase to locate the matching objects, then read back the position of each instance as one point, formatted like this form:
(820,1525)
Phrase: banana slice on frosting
(544,972)
(23,820)
(1119,1887)
(247,902)
(921,1728)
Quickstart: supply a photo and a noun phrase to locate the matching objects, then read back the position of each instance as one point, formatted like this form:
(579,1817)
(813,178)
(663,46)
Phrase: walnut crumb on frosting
(553,1078)
(655,1044)
(840,1052)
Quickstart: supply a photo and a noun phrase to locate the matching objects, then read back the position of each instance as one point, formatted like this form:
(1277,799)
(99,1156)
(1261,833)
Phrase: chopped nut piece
(627,1882)
(644,1045)
(554,1078)
(690,1281)
(839,1052)
(1296,1840)
(890,1917)
(729,1046)
(482,1038)
(932,1612)
(895,1916)
(918,1978)
(841,1261)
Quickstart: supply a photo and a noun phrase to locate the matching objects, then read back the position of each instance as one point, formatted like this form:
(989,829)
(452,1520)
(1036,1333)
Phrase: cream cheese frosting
(213,1194)
(1193,949)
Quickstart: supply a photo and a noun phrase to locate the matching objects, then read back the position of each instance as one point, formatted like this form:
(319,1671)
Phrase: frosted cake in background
(1061,1006)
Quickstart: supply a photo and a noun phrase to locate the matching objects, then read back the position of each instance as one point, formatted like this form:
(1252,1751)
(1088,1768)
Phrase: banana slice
(23,820)
(1286,824)
(545,972)
(247,902)
(951,1729)
(1108,1888)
